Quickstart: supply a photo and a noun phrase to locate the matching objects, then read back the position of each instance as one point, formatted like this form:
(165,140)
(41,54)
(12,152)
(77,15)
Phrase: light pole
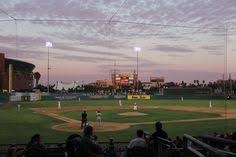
(137,50)
(48,45)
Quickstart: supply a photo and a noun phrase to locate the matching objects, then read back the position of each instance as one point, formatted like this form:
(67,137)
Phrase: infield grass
(152,115)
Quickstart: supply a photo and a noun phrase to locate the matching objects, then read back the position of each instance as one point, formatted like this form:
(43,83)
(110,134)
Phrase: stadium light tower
(137,50)
(48,45)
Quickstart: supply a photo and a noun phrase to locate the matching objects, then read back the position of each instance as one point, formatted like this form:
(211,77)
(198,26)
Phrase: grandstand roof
(20,65)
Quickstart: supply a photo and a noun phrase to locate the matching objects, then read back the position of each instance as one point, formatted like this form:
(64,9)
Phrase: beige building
(104,83)
(157,81)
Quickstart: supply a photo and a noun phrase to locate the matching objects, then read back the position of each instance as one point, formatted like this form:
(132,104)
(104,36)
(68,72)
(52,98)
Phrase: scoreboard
(123,79)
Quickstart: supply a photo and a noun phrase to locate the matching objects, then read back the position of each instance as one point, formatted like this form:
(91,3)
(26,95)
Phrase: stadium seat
(137,152)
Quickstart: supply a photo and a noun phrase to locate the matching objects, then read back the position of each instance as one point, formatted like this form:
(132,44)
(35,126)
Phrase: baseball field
(193,117)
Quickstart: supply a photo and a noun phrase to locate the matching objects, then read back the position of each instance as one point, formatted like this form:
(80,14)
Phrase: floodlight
(137,49)
(48,44)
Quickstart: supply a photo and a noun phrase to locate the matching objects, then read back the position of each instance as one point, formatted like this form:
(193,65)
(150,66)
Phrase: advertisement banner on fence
(119,96)
(99,96)
(146,97)
(25,96)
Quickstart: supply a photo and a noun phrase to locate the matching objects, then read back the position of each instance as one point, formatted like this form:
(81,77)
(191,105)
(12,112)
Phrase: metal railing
(202,149)
(224,145)
(163,148)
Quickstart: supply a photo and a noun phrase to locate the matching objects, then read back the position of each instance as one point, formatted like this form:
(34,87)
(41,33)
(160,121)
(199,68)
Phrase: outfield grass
(17,127)
(152,115)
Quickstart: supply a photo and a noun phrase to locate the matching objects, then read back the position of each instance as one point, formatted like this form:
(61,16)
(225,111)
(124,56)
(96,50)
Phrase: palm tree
(37,76)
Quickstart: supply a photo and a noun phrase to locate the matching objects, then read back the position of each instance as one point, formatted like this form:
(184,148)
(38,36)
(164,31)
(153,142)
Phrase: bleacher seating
(202,146)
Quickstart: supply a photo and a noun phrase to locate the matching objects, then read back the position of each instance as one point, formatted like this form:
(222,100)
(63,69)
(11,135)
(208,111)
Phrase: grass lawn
(18,127)
(173,130)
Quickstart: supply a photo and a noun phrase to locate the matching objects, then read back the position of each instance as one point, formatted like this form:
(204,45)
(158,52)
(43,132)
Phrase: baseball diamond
(57,123)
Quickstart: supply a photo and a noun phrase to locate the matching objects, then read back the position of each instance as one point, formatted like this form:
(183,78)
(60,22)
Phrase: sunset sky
(86,50)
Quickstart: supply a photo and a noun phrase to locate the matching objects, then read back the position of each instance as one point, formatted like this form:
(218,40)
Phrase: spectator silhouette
(139,141)
(159,132)
(178,142)
(233,136)
(35,148)
(73,144)
(137,147)
(110,151)
(88,148)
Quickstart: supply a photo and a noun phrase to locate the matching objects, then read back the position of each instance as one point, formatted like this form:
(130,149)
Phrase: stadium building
(104,83)
(157,81)
(15,75)
(66,85)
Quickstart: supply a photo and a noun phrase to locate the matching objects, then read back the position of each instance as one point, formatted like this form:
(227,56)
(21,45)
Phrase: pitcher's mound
(132,114)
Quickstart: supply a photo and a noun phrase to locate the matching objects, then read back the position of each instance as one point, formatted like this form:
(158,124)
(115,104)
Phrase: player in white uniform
(120,103)
(18,107)
(210,104)
(59,105)
(98,117)
(135,107)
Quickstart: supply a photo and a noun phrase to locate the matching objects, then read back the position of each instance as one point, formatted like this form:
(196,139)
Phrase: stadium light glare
(137,49)
(48,44)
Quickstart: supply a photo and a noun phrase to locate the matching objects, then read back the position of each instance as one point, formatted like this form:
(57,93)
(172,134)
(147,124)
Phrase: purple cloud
(83,58)
(171,49)
(213,48)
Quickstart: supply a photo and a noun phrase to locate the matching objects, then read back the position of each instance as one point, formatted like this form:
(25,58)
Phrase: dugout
(25,98)
(4,98)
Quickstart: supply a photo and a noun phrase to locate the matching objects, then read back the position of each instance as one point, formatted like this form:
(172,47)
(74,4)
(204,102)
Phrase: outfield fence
(77,96)
(125,97)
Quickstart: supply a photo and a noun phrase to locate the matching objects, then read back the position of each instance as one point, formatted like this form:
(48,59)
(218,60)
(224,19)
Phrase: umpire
(83,119)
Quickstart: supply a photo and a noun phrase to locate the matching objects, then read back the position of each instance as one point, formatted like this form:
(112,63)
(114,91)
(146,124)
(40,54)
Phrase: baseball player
(59,105)
(120,103)
(18,107)
(135,107)
(98,117)
(210,104)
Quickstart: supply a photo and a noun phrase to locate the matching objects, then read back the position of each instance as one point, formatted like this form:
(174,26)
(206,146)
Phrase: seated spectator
(88,148)
(110,151)
(226,136)
(137,147)
(233,137)
(178,142)
(95,139)
(159,132)
(139,141)
(35,148)
(72,144)
(215,134)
